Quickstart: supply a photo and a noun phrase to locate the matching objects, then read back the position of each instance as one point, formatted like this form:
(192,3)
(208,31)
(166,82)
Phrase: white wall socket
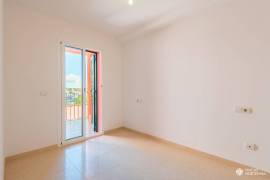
(251,147)
(244,109)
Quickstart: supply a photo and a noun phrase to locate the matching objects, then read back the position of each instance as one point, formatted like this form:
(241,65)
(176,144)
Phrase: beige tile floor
(120,155)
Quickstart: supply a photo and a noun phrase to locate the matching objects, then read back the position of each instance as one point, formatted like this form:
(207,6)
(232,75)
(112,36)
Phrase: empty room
(134,90)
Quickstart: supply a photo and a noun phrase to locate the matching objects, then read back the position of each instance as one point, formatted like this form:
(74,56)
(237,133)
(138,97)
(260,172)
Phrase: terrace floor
(74,129)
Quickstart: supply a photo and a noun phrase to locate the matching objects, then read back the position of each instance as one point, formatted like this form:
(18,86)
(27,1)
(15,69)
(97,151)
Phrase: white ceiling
(116,16)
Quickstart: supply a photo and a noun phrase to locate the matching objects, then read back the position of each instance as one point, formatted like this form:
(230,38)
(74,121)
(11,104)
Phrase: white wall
(191,76)
(32,57)
(1,96)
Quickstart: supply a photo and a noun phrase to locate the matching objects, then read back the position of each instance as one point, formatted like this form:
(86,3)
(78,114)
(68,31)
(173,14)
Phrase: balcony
(73,115)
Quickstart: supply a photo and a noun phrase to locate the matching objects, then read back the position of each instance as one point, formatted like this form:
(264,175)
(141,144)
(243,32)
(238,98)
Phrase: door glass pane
(90,93)
(73,93)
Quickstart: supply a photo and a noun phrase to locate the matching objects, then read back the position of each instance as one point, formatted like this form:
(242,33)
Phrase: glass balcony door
(80,94)
(73,93)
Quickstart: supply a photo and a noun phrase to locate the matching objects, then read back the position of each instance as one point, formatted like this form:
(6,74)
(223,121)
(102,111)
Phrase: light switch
(139,100)
(43,93)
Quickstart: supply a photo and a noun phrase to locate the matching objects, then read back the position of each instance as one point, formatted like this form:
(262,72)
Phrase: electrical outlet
(246,110)
(251,147)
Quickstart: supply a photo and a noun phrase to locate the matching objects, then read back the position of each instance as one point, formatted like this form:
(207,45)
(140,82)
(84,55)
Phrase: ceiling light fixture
(130,2)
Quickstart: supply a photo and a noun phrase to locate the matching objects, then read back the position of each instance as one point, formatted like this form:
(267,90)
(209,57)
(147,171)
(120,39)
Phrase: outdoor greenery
(73,96)
(78,100)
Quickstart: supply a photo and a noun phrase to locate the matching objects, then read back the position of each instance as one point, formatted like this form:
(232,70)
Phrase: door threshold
(79,140)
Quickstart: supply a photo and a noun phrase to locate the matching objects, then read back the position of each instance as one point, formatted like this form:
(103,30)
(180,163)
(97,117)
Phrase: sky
(73,70)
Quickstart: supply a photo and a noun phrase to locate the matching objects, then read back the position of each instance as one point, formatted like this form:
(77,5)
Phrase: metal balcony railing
(73,106)
(73,112)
